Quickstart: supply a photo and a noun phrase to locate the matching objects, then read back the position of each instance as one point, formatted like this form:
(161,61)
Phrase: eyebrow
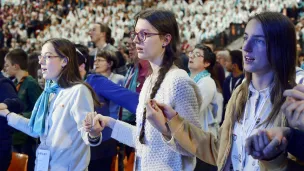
(256,35)
(142,30)
(47,53)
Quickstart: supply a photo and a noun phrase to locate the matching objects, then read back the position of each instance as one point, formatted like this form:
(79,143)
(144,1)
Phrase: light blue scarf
(302,65)
(201,75)
(40,111)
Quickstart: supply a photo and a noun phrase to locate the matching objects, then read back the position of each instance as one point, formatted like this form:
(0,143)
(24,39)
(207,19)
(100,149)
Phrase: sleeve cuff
(168,141)
(175,124)
(94,144)
(278,162)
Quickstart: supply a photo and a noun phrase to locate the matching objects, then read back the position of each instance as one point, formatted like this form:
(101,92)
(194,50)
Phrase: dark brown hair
(18,56)
(109,56)
(165,23)
(280,39)
(70,76)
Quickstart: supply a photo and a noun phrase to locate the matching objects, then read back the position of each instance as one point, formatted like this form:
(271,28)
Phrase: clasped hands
(268,144)
(158,115)
(3,109)
(94,123)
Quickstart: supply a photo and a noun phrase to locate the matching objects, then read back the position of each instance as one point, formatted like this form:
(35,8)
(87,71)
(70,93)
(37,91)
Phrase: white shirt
(64,136)
(257,110)
(212,105)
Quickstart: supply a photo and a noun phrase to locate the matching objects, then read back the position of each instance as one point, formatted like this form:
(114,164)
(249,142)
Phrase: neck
(262,81)
(156,64)
(83,74)
(106,73)
(136,61)
(100,44)
(193,73)
(21,74)
(237,73)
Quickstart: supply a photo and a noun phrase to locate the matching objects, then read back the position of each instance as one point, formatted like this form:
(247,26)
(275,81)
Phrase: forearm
(194,140)
(14,105)
(123,132)
(20,123)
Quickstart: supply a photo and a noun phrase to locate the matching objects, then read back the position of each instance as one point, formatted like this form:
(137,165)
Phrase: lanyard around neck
(246,132)
(236,83)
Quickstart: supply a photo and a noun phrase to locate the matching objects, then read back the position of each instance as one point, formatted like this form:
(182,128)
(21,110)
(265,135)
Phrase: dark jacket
(107,91)
(296,144)
(10,98)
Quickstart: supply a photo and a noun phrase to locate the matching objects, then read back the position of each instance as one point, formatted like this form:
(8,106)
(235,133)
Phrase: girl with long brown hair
(157,37)
(59,112)
(269,53)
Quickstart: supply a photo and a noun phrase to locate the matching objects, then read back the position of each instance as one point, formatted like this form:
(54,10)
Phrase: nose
(247,45)
(135,40)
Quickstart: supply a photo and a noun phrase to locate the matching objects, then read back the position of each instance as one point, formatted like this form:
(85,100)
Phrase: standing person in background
(100,35)
(60,111)
(201,65)
(8,99)
(105,62)
(221,57)
(33,65)
(136,75)
(234,65)
(102,155)
(16,65)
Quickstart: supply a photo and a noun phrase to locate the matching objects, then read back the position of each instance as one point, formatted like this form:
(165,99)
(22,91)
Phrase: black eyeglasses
(142,35)
(195,55)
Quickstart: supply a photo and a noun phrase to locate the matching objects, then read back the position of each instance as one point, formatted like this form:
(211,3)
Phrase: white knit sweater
(180,92)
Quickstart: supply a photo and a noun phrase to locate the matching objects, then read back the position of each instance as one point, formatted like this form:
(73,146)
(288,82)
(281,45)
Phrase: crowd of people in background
(159,84)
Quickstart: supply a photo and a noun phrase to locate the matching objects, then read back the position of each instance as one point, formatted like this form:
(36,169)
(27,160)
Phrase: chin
(143,57)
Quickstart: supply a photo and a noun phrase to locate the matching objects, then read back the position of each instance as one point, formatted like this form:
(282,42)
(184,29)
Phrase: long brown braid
(164,21)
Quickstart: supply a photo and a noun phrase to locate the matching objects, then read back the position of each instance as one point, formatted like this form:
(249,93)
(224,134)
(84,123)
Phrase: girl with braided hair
(156,37)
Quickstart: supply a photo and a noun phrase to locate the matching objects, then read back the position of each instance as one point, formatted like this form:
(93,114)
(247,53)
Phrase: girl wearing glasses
(269,53)
(157,37)
(59,112)
(201,63)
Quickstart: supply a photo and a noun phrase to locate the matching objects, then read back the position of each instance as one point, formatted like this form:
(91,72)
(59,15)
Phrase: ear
(64,62)
(82,67)
(235,66)
(206,64)
(110,64)
(167,40)
(16,66)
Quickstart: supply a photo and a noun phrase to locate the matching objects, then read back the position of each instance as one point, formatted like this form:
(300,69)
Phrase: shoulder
(178,79)
(118,76)
(78,89)
(110,47)
(207,80)
(31,81)
(95,77)
(177,73)
(5,82)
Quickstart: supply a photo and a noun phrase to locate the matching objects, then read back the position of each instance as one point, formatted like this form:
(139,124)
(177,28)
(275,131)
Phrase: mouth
(139,49)
(249,59)
(43,70)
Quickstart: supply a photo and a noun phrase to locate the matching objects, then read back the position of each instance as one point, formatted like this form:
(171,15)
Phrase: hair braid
(167,64)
